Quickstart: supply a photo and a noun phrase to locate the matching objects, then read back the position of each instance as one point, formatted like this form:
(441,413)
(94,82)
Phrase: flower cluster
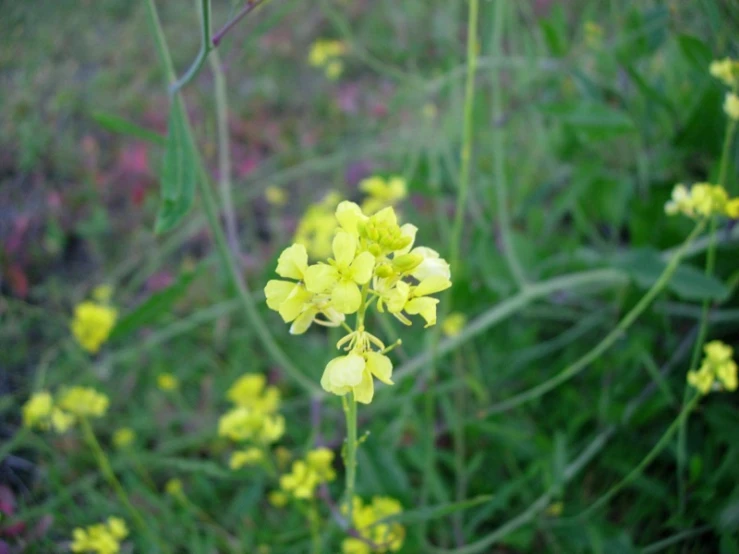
(702,200)
(93,321)
(101,538)
(327,54)
(317,226)
(374,259)
(717,371)
(254,417)
(375,537)
(167,382)
(727,71)
(382,193)
(306,475)
(41,411)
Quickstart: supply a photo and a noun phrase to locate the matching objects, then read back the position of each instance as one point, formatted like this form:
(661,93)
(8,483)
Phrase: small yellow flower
(334,69)
(354,372)
(382,193)
(325,54)
(173,487)
(702,200)
(386,537)
(453,324)
(275,195)
(123,437)
(250,391)
(37,410)
(83,402)
(61,421)
(278,499)
(717,365)
(241,424)
(92,324)
(101,538)
(102,293)
(300,482)
(726,70)
(242,458)
(316,228)
(320,460)
(731,106)
(167,382)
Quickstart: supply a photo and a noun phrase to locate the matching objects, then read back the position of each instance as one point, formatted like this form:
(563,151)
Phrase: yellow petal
(303,321)
(386,218)
(321,278)
(344,247)
(294,304)
(425,307)
(398,297)
(432,284)
(380,366)
(407,230)
(364,392)
(349,214)
(345,297)
(342,373)
(726,373)
(293,262)
(431,265)
(362,267)
(277,292)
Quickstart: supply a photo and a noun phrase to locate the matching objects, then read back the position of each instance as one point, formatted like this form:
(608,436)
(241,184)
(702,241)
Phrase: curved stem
(205,48)
(350,459)
(574,369)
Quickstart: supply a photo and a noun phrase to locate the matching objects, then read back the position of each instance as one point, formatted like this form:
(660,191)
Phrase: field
(427,276)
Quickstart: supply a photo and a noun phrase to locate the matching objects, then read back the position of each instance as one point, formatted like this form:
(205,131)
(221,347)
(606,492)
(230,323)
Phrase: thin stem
(315,529)
(205,48)
(246,10)
(460,402)
(467,133)
(577,367)
(499,157)
(726,151)
(350,410)
(105,468)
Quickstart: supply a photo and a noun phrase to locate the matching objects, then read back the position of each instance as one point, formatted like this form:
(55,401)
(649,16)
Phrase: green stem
(726,151)
(467,133)
(577,367)
(350,410)
(231,265)
(105,468)
(315,529)
(205,47)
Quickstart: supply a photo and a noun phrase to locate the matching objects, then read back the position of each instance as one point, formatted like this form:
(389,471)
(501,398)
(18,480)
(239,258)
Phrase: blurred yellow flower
(382,193)
(123,437)
(167,382)
(102,293)
(726,70)
(278,499)
(248,457)
(83,402)
(275,195)
(453,324)
(316,228)
(241,424)
(731,106)
(702,200)
(386,537)
(718,370)
(92,324)
(101,538)
(250,391)
(173,487)
(325,54)
(37,410)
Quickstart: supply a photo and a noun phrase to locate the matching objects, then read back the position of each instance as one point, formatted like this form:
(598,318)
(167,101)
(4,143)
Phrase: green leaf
(158,303)
(695,51)
(179,171)
(435,512)
(645,266)
(117,124)
(592,117)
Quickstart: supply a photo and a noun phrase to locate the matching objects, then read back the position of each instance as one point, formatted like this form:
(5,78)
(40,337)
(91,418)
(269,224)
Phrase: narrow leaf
(117,124)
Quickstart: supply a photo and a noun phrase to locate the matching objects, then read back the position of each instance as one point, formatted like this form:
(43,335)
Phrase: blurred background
(586,113)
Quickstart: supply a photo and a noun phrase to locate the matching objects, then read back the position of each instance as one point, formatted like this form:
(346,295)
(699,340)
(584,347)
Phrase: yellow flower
(102,293)
(83,402)
(382,193)
(354,372)
(316,229)
(37,410)
(731,106)
(702,200)
(61,421)
(294,302)
(167,382)
(320,460)
(92,324)
(415,300)
(275,195)
(173,487)
(453,324)
(248,457)
(278,499)
(242,424)
(726,70)
(300,482)
(717,364)
(249,391)
(323,52)
(334,69)
(342,275)
(386,537)
(101,538)
(123,437)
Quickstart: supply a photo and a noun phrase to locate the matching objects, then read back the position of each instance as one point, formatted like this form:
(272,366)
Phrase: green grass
(576,143)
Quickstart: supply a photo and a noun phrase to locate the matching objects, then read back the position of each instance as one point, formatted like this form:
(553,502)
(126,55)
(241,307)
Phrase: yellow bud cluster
(101,538)
(306,475)
(374,536)
(327,54)
(702,200)
(717,371)
(42,411)
(92,324)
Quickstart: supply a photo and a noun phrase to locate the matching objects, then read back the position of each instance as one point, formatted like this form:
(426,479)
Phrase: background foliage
(586,113)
